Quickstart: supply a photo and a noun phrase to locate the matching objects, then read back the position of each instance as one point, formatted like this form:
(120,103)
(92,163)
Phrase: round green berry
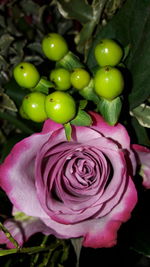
(80,78)
(108,52)
(34,106)
(60,107)
(108,82)
(54,46)
(26,75)
(22,113)
(61,78)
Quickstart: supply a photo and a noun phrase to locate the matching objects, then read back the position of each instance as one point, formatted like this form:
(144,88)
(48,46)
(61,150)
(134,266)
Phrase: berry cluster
(108,81)
(54,97)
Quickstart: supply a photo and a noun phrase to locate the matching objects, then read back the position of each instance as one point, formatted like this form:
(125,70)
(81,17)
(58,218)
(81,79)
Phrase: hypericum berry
(22,113)
(34,106)
(26,75)
(60,107)
(80,78)
(54,46)
(61,78)
(108,52)
(108,82)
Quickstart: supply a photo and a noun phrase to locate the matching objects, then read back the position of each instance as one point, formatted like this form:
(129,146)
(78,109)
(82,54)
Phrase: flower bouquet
(79,173)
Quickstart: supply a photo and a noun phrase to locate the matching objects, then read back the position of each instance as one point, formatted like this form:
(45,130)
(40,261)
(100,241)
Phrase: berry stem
(70,61)
(43,86)
(89,94)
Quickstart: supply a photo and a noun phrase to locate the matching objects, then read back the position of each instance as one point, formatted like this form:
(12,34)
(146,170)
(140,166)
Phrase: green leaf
(5,42)
(43,86)
(141,133)
(130,26)
(76,9)
(83,104)
(84,38)
(7,103)
(29,7)
(89,94)
(88,15)
(36,47)
(110,110)
(68,130)
(70,61)
(15,92)
(82,119)
(142,114)
(15,121)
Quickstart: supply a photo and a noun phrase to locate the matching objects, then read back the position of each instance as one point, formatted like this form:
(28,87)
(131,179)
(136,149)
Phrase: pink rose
(82,188)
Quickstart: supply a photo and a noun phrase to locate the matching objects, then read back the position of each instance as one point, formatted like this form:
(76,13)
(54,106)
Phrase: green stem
(30,250)
(89,94)
(9,236)
(16,122)
(70,61)
(37,255)
(43,86)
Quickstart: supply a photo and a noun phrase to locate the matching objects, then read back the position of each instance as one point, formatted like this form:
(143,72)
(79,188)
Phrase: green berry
(54,46)
(60,107)
(108,52)
(108,82)
(34,106)
(80,78)
(26,75)
(22,113)
(61,78)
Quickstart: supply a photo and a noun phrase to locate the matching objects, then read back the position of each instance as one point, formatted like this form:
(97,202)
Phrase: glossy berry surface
(60,107)
(61,78)
(34,106)
(108,82)
(54,46)
(108,52)
(22,113)
(80,78)
(26,75)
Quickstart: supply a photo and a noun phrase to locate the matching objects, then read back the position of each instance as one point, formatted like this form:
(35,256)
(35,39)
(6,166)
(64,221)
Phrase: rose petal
(117,133)
(100,232)
(143,157)
(22,230)
(17,175)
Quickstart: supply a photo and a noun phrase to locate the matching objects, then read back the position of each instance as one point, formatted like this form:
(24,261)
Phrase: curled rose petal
(22,230)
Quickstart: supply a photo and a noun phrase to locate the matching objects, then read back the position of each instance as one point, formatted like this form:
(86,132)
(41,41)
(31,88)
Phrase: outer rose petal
(117,133)
(101,232)
(17,178)
(143,156)
(22,230)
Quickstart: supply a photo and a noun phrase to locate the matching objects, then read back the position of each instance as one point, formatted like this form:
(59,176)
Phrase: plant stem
(30,250)
(9,236)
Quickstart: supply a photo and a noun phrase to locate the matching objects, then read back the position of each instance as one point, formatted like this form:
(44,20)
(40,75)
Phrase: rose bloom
(78,188)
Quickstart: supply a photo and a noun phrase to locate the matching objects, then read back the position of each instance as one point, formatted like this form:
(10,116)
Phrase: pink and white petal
(143,158)
(23,230)
(104,232)
(117,132)
(17,177)
(101,232)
